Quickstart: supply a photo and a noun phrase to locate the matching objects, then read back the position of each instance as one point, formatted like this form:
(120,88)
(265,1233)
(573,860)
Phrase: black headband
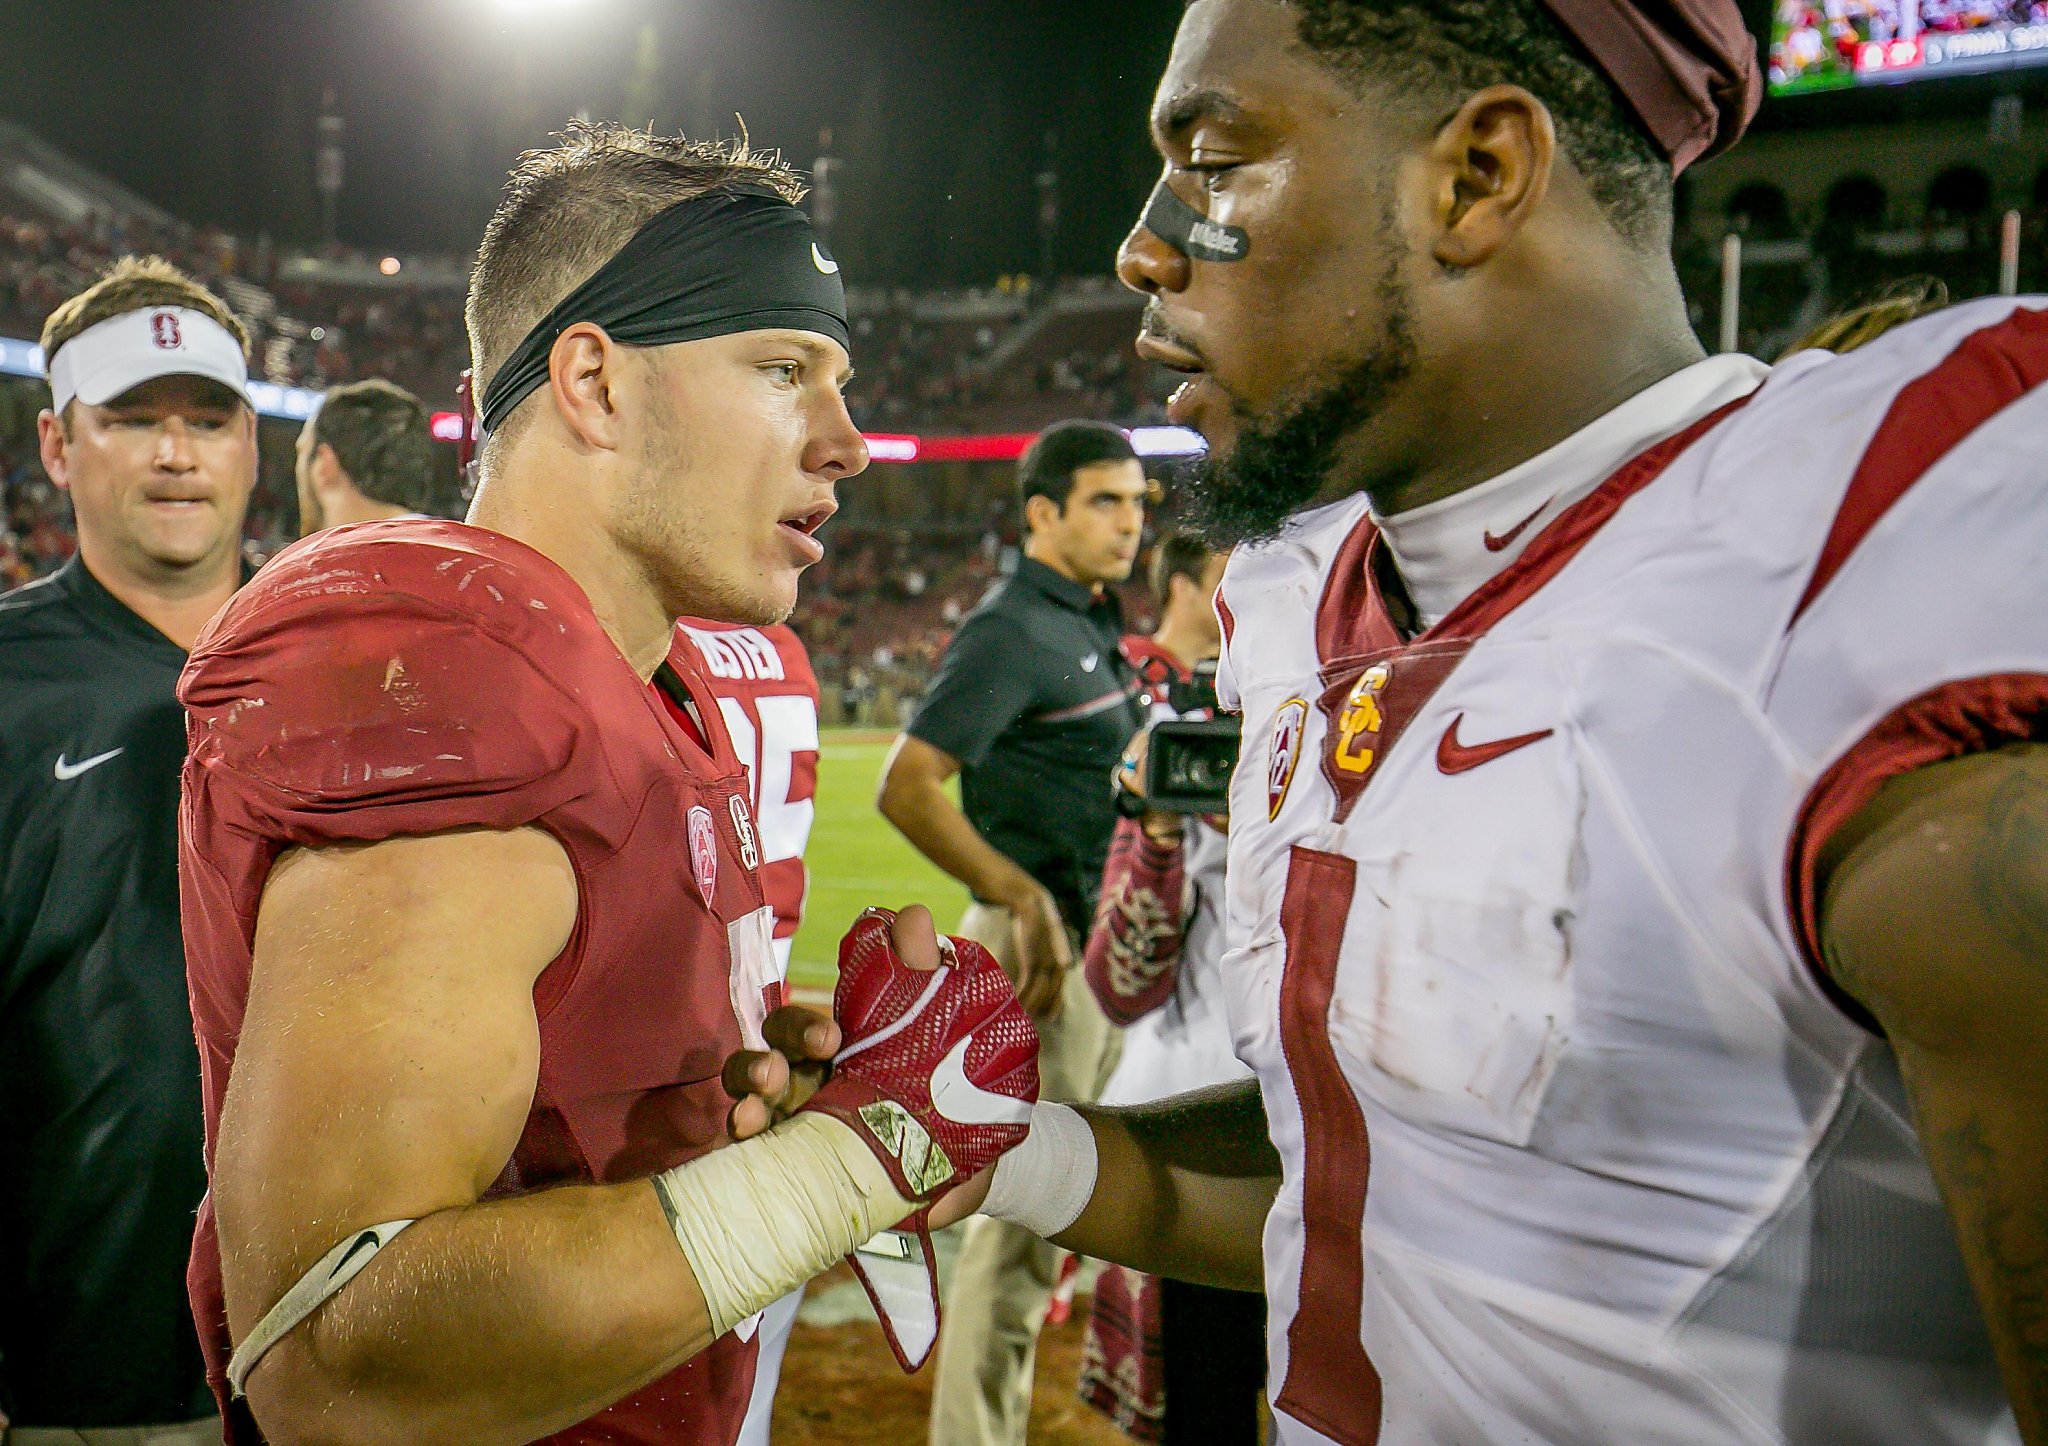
(743,259)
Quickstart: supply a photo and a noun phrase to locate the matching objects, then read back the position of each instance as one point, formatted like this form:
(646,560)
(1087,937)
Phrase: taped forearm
(1132,961)
(1045,1183)
(760,1218)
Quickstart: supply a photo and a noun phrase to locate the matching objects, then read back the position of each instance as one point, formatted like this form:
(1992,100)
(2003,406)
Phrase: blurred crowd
(879,611)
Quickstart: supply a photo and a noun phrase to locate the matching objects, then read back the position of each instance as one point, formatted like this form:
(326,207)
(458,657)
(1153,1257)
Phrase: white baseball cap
(125,351)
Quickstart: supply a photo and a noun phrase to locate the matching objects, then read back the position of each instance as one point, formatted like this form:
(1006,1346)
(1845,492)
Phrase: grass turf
(857,859)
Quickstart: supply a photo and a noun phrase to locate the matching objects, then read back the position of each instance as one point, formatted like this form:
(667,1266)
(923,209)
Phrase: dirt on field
(841,1387)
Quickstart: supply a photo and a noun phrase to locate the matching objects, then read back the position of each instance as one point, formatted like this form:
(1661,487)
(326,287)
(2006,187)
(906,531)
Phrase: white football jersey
(1579,1145)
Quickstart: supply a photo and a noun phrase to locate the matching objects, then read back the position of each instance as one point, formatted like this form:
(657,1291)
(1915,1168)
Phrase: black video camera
(1189,764)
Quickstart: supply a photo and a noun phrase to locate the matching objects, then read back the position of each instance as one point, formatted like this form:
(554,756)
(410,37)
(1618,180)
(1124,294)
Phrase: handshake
(931,1063)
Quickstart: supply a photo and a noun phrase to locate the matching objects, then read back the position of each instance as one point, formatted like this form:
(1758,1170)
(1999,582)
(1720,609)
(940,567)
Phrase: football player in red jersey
(472,884)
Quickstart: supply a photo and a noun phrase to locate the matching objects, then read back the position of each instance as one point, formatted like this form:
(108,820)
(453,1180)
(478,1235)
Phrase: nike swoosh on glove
(937,1076)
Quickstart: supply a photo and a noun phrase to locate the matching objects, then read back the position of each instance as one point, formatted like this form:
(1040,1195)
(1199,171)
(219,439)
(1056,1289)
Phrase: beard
(1288,457)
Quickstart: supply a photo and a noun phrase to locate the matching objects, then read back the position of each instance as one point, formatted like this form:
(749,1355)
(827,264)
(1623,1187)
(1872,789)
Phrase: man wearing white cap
(151,432)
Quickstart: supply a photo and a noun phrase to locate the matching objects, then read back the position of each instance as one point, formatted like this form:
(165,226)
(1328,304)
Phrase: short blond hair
(135,283)
(569,209)
(1903,301)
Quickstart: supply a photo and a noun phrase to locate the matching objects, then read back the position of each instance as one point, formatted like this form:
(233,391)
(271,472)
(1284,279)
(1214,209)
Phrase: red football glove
(937,1075)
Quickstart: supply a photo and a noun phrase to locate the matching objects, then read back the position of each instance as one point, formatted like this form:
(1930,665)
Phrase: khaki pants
(206,1432)
(1003,1280)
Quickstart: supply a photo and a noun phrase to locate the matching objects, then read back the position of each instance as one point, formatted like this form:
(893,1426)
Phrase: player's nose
(836,450)
(1149,265)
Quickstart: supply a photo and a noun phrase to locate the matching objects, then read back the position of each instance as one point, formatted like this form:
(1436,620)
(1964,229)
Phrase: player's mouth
(1186,407)
(800,529)
(175,500)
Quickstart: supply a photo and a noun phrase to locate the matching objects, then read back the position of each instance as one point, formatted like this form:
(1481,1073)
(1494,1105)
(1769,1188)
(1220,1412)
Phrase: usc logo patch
(1359,725)
(1288,727)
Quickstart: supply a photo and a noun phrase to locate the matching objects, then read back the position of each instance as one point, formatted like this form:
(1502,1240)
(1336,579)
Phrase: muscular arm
(913,798)
(1184,1187)
(385,1069)
(1935,918)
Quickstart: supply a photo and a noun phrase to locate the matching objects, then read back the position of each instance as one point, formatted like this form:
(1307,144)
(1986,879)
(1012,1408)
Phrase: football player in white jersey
(1639,872)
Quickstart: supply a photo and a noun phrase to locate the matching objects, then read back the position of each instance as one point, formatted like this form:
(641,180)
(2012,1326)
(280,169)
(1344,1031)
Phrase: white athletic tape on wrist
(316,1287)
(1046,1182)
(759,1219)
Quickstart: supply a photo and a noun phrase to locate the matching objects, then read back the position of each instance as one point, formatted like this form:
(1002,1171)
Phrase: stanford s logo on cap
(164,331)
(1287,730)
(704,852)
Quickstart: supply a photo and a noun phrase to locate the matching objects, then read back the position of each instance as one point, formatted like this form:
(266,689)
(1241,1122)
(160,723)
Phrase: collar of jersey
(1061,589)
(91,597)
(1449,549)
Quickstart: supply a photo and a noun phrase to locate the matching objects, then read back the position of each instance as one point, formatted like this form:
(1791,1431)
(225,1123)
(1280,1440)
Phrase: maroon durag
(1688,67)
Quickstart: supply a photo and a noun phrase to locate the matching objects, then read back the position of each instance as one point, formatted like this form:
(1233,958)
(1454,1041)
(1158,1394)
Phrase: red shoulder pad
(397,678)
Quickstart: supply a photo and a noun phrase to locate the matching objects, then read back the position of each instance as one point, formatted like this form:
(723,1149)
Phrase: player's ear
(583,377)
(53,437)
(1490,171)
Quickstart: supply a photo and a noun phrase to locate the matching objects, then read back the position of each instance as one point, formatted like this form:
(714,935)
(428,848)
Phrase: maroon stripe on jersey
(1225,616)
(1331,1383)
(1352,621)
(1929,418)
(1971,715)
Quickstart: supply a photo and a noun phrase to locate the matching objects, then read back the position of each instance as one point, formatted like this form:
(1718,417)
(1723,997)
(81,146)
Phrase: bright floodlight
(389,266)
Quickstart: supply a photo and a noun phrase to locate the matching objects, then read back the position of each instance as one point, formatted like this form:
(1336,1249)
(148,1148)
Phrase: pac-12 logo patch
(750,852)
(165,331)
(704,852)
(1288,728)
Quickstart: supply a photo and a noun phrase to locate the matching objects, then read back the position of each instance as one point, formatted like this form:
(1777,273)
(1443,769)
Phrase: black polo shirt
(101,1133)
(1035,700)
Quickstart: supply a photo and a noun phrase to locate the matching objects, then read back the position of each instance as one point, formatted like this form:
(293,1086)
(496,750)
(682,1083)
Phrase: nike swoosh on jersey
(68,771)
(964,1102)
(824,263)
(1454,757)
(1088,663)
(1507,539)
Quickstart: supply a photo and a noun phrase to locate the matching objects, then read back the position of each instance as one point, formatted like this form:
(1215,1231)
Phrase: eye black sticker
(1191,233)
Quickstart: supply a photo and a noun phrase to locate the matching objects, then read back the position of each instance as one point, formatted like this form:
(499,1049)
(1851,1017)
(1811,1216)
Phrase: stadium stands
(1004,359)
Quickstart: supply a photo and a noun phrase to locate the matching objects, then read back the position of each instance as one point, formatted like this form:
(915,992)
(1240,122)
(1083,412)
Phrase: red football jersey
(410,677)
(769,696)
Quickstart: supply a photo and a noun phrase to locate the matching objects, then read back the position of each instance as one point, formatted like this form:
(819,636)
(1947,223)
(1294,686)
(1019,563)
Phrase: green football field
(857,859)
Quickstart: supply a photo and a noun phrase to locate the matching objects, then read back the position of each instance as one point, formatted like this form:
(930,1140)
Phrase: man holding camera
(1032,706)
(1168,1360)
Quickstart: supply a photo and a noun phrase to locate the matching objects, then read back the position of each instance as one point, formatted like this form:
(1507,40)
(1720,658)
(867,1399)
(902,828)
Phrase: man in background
(1032,706)
(768,695)
(366,456)
(150,431)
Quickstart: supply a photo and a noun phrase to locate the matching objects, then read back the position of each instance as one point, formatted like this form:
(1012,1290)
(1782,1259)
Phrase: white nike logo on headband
(825,263)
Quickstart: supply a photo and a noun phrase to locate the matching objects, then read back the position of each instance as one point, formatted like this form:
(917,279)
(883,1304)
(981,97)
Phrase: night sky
(940,109)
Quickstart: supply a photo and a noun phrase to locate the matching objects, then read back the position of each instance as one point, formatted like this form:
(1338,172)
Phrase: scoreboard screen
(1836,44)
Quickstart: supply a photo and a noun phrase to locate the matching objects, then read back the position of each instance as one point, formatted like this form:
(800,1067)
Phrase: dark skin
(1530,317)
